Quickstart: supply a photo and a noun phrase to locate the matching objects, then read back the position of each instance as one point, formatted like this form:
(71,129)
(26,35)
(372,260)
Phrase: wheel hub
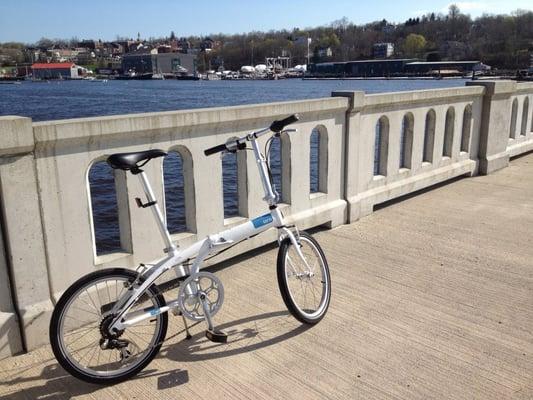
(105,331)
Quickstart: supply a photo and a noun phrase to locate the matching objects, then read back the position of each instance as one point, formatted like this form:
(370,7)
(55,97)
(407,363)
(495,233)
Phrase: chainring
(190,291)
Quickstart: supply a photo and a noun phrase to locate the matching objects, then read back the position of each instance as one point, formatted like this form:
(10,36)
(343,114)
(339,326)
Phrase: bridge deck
(432,298)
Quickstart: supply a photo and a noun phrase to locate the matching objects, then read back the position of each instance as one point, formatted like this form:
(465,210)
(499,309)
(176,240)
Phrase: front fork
(294,237)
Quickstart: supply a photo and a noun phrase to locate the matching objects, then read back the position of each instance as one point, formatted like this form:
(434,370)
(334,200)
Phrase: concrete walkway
(432,299)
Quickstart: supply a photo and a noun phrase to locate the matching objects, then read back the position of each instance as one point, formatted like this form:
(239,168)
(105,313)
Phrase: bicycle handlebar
(276,126)
(215,149)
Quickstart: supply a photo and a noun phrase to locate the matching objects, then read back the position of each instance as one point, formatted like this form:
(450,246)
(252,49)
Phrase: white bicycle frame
(198,251)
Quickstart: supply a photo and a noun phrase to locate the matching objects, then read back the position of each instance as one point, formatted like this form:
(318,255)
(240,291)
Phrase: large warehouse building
(162,63)
(65,70)
(392,68)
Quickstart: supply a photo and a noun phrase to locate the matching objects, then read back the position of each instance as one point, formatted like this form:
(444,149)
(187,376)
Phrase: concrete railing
(424,138)
(399,143)
(521,124)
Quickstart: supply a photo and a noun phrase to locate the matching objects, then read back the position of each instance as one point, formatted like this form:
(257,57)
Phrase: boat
(187,78)
(93,79)
(159,76)
(10,78)
(213,76)
(524,75)
(134,76)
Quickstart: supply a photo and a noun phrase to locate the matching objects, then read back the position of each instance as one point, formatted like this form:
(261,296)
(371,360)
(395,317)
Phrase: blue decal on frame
(262,220)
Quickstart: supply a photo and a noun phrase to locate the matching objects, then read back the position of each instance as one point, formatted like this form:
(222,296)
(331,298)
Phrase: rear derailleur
(110,341)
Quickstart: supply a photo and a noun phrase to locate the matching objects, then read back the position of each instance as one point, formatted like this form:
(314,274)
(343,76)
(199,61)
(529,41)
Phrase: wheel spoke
(108,294)
(89,350)
(313,292)
(76,319)
(144,340)
(94,353)
(98,295)
(80,331)
(87,311)
(82,336)
(98,310)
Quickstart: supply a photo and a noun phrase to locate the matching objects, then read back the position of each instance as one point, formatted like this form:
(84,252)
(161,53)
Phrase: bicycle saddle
(128,161)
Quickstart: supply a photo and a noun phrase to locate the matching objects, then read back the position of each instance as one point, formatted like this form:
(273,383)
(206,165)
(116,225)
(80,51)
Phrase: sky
(29,20)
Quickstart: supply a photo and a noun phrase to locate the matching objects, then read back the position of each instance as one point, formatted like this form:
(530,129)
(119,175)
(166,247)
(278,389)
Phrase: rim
(309,292)
(79,329)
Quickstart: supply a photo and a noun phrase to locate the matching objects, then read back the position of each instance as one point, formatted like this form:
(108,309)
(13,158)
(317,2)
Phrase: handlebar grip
(214,150)
(277,126)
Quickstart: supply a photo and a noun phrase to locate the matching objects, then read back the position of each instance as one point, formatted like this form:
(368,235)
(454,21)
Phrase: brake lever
(290,130)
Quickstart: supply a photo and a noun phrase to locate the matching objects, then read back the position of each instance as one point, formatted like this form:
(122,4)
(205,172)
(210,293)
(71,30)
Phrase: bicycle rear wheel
(78,329)
(305,286)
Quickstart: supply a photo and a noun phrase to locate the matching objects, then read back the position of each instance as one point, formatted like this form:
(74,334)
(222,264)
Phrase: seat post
(156,211)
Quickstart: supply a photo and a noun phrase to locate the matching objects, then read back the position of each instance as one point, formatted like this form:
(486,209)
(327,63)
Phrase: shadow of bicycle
(244,335)
(58,384)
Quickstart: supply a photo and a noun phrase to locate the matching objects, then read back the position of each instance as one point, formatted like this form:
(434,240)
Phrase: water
(75,99)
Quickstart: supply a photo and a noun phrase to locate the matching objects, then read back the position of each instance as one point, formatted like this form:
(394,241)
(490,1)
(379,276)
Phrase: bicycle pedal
(216,336)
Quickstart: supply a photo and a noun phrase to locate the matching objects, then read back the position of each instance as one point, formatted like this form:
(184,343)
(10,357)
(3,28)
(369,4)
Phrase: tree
(341,24)
(453,11)
(414,45)
(45,43)
(316,58)
(73,42)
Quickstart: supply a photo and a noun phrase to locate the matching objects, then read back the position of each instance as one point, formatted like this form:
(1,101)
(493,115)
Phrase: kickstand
(186,327)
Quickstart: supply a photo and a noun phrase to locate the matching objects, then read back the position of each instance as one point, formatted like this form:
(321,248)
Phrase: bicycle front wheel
(304,279)
(79,336)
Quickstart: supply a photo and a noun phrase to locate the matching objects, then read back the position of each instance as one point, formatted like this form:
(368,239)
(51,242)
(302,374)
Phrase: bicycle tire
(60,349)
(289,295)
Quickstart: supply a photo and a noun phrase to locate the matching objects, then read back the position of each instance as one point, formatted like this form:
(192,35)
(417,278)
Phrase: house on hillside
(324,52)
(383,50)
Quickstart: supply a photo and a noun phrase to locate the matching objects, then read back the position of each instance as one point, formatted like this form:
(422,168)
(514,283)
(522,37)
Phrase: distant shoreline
(407,78)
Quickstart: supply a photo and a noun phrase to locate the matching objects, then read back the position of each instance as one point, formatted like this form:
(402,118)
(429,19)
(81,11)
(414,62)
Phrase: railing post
(351,159)
(10,335)
(495,124)
(23,231)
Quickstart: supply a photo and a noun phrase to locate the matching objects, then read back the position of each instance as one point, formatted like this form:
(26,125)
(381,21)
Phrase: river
(73,99)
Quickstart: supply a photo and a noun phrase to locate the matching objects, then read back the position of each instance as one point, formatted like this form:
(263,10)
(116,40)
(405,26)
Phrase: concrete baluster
(354,172)
(22,229)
